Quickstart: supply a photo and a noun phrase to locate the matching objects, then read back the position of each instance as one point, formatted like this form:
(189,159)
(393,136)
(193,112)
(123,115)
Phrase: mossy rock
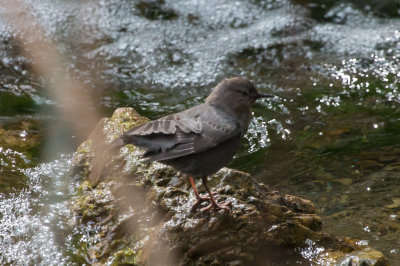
(139,213)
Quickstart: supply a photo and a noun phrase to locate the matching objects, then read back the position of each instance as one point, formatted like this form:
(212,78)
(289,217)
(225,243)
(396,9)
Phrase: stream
(331,134)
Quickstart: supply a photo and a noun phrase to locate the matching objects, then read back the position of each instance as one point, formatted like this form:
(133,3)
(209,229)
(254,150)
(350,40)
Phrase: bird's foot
(200,199)
(218,206)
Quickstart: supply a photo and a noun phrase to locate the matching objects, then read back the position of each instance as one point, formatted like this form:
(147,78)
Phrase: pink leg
(214,203)
(200,199)
(196,192)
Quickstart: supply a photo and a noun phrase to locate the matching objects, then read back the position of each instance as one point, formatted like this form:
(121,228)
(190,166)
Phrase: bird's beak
(263,95)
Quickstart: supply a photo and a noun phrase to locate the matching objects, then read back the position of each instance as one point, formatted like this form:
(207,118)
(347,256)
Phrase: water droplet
(23,133)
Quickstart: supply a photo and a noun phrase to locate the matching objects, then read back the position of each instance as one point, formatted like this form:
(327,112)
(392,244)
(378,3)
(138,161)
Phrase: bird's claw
(218,206)
(205,198)
(200,199)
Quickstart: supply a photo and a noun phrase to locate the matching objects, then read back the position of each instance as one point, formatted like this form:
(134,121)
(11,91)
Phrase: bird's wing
(185,121)
(191,131)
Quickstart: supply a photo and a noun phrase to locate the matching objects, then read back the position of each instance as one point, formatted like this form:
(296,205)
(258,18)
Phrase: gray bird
(201,140)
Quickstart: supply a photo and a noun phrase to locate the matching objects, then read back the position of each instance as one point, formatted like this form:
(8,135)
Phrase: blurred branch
(72,97)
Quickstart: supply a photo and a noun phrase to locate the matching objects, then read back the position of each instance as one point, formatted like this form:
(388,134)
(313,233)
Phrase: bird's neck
(239,111)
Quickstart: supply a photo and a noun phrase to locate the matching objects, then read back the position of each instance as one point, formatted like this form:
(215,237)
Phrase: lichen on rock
(139,213)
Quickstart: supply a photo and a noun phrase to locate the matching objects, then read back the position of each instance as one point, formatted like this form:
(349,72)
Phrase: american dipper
(201,140)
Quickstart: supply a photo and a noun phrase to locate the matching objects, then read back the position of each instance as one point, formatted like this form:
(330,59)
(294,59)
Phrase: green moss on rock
(139,214)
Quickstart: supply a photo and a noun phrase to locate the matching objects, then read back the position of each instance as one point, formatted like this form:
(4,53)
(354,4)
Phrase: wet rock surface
(139,214)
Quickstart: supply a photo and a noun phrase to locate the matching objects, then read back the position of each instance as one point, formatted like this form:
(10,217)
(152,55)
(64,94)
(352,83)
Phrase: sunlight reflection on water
(31,219)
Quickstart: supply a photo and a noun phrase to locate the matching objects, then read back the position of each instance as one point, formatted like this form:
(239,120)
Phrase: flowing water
(331,134)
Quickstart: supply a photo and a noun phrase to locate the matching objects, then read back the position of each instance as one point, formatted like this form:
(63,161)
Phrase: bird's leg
(214,203)
(200,199)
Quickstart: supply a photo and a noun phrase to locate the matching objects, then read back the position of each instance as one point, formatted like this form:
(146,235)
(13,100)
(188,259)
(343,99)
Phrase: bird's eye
(244,93)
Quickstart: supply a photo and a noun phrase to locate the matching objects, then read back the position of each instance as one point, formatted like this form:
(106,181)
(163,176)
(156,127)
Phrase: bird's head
(235,93)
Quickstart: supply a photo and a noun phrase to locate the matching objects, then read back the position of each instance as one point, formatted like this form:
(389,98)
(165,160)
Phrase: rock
(155,9)
(20,142)
(138,213)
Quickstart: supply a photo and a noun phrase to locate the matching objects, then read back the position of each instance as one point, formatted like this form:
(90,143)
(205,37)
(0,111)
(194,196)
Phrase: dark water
(330,135)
